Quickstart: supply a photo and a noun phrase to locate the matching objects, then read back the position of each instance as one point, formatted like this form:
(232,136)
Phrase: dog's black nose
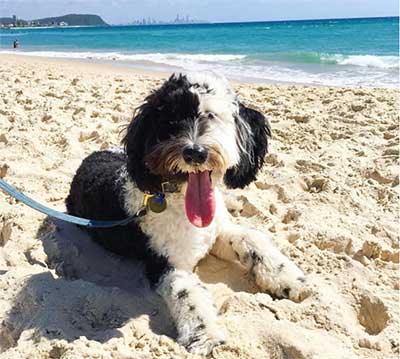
(195,155)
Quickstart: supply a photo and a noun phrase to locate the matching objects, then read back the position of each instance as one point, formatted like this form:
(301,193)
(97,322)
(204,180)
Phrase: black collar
(169,187)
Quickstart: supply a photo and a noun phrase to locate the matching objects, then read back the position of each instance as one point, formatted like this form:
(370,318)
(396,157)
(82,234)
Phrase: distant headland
(66,20)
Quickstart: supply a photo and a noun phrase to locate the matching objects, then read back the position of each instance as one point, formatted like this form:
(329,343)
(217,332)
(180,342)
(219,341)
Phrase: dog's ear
(253,130)
(136,141)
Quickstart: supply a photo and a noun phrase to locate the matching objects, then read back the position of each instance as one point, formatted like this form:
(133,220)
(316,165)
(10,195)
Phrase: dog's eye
(210,116)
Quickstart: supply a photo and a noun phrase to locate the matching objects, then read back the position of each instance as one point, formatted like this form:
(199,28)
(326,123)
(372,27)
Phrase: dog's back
(96,194)
(93,192)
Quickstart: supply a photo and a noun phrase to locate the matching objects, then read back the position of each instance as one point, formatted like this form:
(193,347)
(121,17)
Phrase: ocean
(335,52)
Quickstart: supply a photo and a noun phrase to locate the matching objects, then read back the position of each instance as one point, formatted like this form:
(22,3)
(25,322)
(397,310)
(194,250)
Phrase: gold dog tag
(157,203)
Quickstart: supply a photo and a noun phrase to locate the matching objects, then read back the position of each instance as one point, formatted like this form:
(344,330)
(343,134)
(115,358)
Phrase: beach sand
(327,195)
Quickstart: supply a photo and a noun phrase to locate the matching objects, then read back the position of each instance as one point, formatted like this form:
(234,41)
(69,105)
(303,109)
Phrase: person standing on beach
(16,44)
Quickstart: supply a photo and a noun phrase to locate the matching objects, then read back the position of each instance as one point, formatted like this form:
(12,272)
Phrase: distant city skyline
(128,11)
(179,19)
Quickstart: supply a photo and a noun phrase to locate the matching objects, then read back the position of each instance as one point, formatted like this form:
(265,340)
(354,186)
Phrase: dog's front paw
(285,281)
(272,271)
(202,342)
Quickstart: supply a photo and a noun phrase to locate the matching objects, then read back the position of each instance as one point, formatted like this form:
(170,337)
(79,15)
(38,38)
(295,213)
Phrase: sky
(126,11)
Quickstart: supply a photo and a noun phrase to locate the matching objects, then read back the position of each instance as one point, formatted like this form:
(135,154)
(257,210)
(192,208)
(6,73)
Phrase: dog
(189,138)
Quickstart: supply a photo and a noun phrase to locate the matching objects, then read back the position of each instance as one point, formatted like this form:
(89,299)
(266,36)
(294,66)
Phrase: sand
(328,196)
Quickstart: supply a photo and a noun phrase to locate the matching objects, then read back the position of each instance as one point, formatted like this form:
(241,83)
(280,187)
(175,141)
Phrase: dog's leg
(193,311)
(273,272)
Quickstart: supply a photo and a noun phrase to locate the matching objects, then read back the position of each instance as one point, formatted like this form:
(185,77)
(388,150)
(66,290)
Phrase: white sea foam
(377,71)
(168,58)
(383,62)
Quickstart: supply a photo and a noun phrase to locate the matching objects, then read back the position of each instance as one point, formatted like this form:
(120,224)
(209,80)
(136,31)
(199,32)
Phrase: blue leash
(90,223)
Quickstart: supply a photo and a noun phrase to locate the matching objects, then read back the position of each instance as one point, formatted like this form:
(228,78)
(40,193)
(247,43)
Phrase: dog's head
(194,130)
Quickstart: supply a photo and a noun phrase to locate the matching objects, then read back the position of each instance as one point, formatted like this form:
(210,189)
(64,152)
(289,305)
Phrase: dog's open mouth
(200,199)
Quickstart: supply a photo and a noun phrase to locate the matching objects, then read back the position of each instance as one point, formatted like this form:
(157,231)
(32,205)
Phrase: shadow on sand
(92,292)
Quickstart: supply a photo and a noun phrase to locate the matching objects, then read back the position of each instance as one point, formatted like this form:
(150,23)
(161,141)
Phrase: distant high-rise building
(179,19)
(14,20)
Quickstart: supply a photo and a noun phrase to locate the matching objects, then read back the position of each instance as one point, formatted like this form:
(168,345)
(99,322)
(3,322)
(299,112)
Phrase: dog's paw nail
(204,344)
(301,279)
(299,292)
(286,293)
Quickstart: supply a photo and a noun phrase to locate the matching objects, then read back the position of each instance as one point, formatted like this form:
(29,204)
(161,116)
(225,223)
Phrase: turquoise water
(323,52)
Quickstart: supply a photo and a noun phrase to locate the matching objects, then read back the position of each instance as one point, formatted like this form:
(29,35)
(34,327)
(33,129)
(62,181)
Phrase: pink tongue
(199,199)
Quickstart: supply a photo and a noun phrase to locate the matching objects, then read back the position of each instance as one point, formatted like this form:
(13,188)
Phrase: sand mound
(328,195)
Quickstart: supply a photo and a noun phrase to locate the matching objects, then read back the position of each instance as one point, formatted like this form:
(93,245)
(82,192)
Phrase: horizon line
(221,22)
(255,21)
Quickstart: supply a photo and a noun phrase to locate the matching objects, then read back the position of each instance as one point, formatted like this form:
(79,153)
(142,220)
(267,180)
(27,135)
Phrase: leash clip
(145,204)
(155,201)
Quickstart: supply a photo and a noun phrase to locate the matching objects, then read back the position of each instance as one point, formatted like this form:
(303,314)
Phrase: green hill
(74,20)
(70,19)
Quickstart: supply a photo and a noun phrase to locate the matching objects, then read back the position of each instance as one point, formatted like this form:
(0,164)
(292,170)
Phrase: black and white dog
(192,135)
